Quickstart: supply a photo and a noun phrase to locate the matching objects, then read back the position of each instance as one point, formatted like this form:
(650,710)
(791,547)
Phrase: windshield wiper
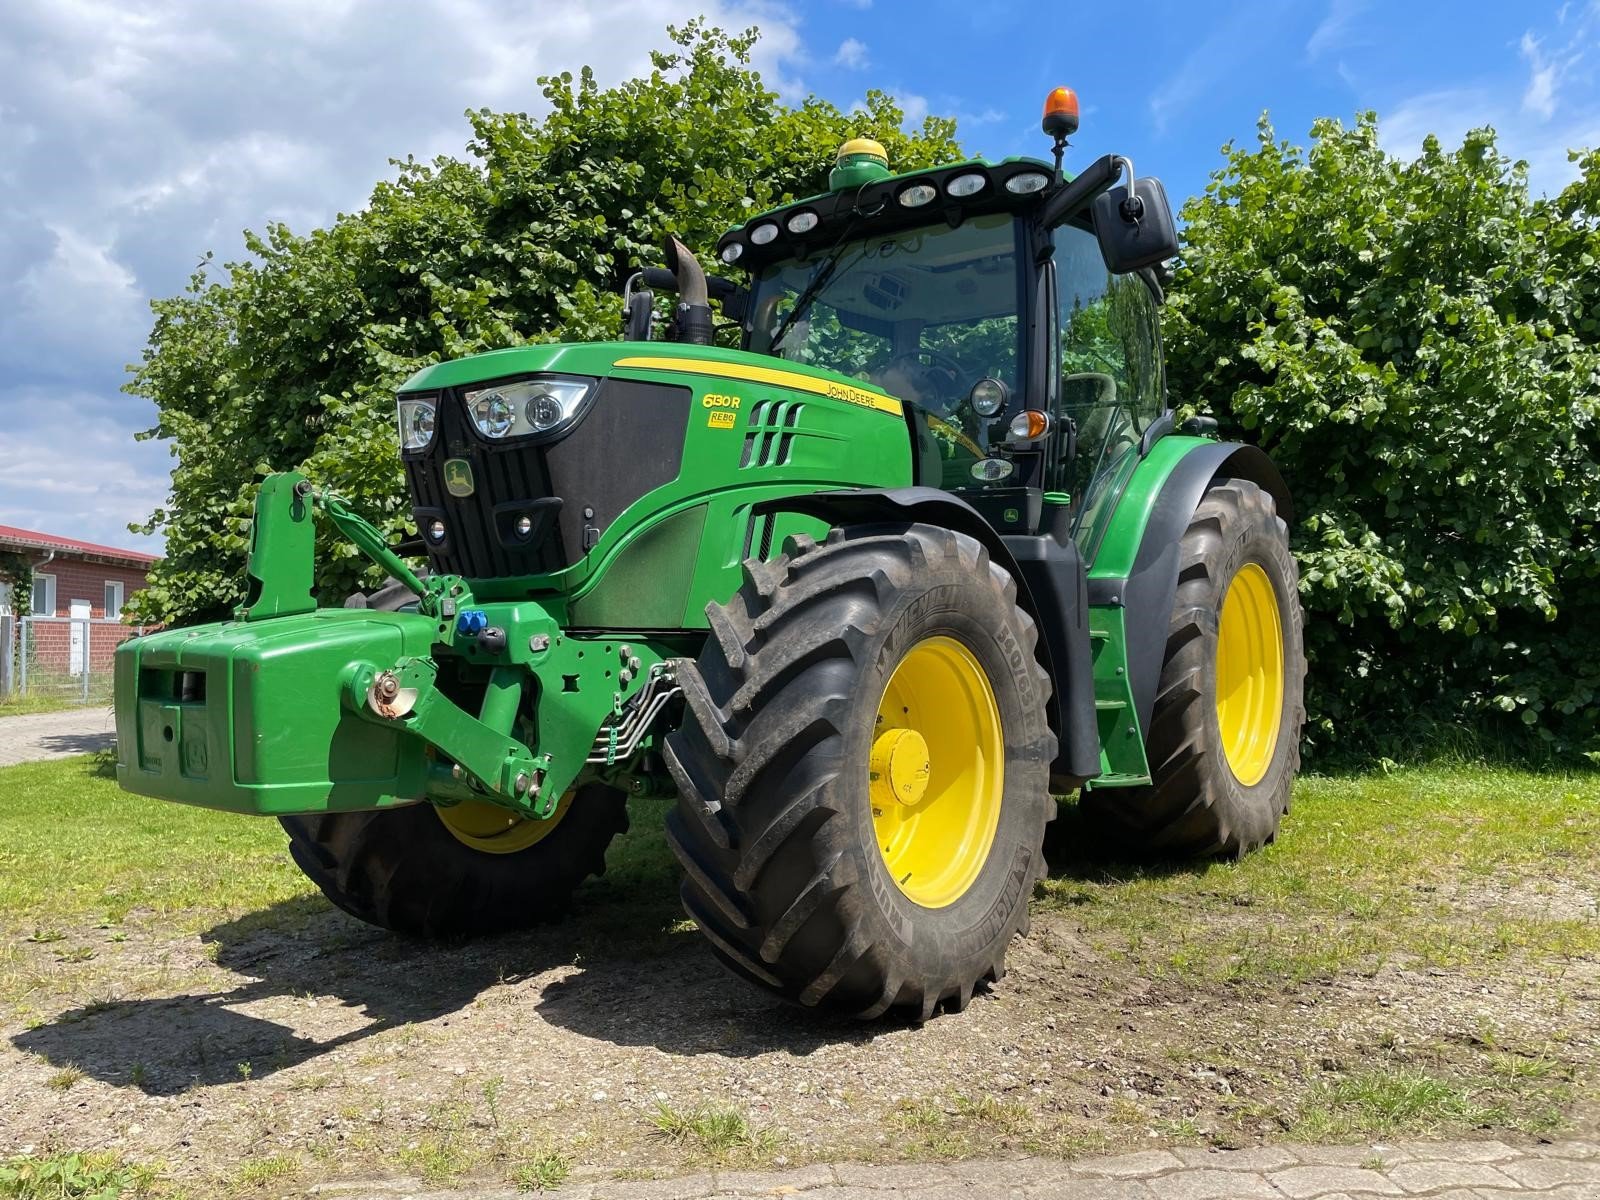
(819,280)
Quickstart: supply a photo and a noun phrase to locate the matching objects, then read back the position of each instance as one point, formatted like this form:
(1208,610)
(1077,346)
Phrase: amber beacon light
(1061,113)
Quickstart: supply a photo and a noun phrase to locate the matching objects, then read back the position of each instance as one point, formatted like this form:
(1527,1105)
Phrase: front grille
(628,442)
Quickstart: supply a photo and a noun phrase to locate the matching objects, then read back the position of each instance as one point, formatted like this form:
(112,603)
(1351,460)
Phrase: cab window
(1110,384)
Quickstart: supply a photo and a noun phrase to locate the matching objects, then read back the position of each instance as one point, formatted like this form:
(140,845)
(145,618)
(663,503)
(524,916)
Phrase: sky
(136,135)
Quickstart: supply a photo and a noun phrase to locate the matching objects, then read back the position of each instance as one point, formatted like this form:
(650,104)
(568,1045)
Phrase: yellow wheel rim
(1249,674)
(495,830)
(937,772)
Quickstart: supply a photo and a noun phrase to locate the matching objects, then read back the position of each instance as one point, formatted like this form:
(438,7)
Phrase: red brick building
(73,579)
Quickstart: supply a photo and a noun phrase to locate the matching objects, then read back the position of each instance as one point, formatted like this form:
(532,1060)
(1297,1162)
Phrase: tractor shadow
(1076,851)
(296,950)
(625,968)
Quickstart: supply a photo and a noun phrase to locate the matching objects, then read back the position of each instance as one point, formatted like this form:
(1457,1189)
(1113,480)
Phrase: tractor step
(1122,758)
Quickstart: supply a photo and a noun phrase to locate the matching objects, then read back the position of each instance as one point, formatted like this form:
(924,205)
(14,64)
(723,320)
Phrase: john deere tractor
(865,573)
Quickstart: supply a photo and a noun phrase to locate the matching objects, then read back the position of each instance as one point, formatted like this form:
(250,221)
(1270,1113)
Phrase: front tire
(437,873)
(863,772)
(472,868)
(1224,739)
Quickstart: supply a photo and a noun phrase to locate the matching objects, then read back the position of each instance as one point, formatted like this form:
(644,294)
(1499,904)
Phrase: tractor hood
(667,362)
(540,460)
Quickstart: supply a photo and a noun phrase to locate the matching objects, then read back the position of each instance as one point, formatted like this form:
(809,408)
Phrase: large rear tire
(863,772)
(1224,739)
(473,868)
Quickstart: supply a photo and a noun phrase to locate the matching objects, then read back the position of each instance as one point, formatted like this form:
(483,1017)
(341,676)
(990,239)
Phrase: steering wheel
(937,378)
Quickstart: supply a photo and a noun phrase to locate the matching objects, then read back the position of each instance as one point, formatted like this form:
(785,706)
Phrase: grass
(1468,869)
(34,702)
(73,1177)
(258,1172)
(74,847)
(711,1132)
(1426,867)
(1384,1102)
(542,1172)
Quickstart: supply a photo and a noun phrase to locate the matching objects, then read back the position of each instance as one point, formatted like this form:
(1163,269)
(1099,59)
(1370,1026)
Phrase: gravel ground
(40,736)
(298,1045)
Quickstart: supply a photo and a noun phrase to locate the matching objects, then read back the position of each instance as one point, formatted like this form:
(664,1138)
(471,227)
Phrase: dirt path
(40,736)
(297,1044)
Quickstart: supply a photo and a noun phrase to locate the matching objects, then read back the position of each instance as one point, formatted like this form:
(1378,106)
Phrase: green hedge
(1415,343)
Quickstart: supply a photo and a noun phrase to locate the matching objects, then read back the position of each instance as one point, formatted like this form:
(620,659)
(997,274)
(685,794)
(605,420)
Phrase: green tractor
(864,594)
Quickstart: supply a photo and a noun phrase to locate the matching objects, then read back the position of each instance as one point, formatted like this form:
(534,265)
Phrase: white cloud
(1448,115)
(87,480)
(851,54)
(914,107)
(1337,30)
(134,137)
(1550,121)
(1540,96)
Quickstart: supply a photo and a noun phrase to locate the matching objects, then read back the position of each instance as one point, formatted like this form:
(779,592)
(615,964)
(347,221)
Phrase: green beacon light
(861,161)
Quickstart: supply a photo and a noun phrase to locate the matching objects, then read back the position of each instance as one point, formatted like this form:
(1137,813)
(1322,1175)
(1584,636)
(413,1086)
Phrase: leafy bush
(1414,343)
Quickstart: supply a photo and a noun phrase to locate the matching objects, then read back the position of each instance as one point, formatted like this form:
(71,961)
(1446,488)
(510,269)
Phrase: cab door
(1109,384)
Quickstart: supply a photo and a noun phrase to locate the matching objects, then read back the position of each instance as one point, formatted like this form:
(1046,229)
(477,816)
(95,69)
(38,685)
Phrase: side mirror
(1133,224)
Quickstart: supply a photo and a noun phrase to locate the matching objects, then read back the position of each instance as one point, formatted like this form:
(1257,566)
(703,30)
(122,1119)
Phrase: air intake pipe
(692,320)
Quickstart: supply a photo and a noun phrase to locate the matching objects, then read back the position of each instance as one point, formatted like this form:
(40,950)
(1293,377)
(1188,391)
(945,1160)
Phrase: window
(5,599)
(43,603)
(924,313)
(113,599)
(1111,383)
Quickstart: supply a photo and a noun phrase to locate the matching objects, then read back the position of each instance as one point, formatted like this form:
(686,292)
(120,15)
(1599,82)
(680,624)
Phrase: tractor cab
(1029,370)
(1014,312)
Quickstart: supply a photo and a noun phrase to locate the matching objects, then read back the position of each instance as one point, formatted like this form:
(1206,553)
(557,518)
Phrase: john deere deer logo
(458,476)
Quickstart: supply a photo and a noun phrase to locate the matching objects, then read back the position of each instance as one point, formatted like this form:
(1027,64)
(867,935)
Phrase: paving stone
(1302,1183)
(1464,1150)
(769,1182)
(898,1175)
(1087,1188)
(1573,1149)
(687,1187)
(1251,1158)
(1011,1172)
(1197,1183)
(1132,1166)
(1356,1156)
(1549,1172)
(1430,1176)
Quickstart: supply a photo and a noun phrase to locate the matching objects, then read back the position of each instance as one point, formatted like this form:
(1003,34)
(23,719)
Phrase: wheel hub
(495,830)
(900,768)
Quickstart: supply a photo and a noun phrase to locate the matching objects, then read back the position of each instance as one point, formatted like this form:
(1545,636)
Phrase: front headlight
(417,420)
(526,407)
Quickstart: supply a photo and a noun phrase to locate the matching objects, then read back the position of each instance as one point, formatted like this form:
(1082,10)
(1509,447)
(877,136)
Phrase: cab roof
(882,204)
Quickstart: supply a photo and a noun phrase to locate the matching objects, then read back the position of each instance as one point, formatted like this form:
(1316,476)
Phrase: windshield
(923,313)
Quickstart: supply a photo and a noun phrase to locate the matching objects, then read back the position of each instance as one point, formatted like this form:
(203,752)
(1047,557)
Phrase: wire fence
(62,658)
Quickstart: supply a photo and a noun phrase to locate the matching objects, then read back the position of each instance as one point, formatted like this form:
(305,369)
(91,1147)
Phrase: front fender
(1136,565)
